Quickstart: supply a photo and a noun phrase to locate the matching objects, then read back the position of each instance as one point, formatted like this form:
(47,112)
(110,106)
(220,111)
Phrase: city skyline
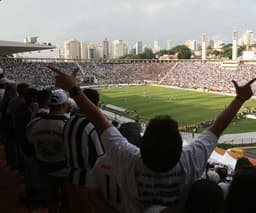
(146,20)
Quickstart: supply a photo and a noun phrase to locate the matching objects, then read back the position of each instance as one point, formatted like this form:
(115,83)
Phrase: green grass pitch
(187,107)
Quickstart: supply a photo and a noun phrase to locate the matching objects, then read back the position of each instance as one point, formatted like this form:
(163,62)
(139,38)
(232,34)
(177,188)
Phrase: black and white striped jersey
(83,147)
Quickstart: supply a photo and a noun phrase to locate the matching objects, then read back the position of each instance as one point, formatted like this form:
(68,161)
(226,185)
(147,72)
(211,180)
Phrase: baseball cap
(58,97)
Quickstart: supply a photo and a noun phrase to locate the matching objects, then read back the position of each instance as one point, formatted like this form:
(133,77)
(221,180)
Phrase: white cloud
(129,20)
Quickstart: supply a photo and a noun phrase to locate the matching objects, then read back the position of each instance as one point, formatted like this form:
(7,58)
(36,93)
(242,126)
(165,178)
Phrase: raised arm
(92,112)
(243,93)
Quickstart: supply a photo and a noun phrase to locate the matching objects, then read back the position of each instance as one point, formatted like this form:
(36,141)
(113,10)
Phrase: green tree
(240,50)
(130,56)
(183,51)
(147,54)
(214,52)
(227,51)
(164,52)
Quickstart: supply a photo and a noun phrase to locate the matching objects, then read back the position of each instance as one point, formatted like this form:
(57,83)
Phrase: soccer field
(187,107)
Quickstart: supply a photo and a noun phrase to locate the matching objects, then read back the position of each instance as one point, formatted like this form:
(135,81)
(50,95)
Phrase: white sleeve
(121,153)
(194,156)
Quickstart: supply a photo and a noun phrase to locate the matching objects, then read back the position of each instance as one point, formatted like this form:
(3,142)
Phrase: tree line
(183,52)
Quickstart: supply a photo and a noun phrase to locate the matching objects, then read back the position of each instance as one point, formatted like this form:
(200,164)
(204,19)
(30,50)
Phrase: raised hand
(63,80)
(244,92)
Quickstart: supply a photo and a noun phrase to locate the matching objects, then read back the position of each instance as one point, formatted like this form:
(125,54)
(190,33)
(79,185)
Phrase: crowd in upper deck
(181,74)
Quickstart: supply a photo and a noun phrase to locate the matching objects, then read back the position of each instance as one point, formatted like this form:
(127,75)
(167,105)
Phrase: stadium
(146,88)
(192,91)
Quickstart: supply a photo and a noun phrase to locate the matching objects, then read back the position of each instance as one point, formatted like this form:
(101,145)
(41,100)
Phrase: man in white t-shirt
(157,172)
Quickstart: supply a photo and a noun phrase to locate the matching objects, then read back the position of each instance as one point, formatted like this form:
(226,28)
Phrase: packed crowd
(207,76)
(35,73)
(194,75)
(127,73)
(74,159)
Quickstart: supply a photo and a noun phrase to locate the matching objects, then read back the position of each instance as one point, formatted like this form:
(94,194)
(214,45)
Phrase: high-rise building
(72,49)
(204,47)
(132,51)
(99,51)
(234,46)
(92,52)
(210,43)
(169,44)
(248,38)
(138,47)
(119,48)
(105,49)
(156,47)
(191,44)
(84,49)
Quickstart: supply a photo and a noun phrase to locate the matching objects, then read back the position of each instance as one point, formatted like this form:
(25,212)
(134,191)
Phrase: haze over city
(145,20)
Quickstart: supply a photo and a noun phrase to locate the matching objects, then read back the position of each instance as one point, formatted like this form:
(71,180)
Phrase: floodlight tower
(204,46)
(234,46)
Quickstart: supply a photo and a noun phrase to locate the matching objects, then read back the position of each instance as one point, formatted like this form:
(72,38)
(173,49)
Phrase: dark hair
(30,95)
(223,173)
(204,196)
(242,188)
(93,95)
(242,163)
(161,144)
(43,97)
(21,87)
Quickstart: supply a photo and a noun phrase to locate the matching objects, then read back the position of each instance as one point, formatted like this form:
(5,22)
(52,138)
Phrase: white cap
(58,97)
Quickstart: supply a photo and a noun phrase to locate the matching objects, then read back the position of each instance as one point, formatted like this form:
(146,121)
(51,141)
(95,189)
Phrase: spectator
(43,100)
(82,142)
(45,133)
(7,126)
(22,116)
(204,196)
(242,188)
(3,82)
(15,102)
(83,147)
(10,92)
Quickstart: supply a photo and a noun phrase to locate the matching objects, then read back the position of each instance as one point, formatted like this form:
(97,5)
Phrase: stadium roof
(11,47)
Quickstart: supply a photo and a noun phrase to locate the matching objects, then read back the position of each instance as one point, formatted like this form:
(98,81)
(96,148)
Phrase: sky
(132,20)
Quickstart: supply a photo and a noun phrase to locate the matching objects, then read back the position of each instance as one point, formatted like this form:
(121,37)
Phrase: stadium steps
(166,75)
